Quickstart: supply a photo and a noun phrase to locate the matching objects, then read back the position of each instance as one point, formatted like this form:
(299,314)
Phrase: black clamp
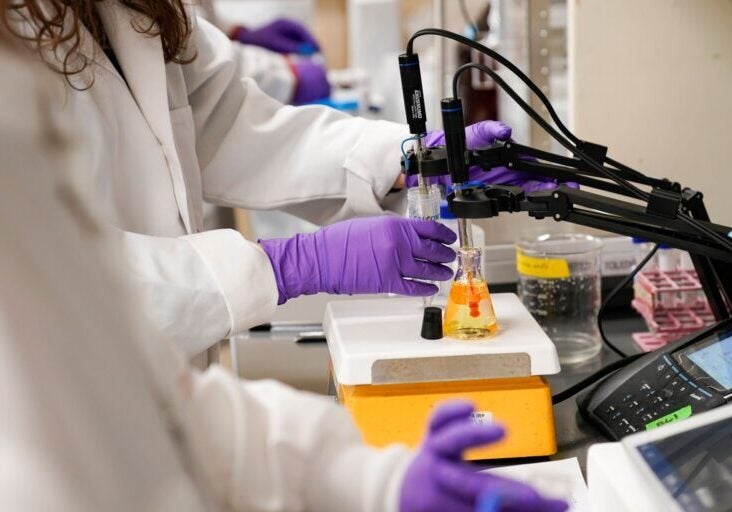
(664,203)
(548,203)
(434,162)
(693,201)
(500,154)
(595,152)
(484,202)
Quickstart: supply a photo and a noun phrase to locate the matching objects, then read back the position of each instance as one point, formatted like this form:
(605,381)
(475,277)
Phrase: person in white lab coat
(96,417)
(171,124)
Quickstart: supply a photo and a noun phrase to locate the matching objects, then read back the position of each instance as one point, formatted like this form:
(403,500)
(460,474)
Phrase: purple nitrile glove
(439,481)
(481,135)
(312,82)
(368,255)
(477,135)
(281,36)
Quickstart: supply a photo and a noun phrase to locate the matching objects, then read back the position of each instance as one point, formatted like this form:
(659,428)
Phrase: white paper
(482,417)
(555,479)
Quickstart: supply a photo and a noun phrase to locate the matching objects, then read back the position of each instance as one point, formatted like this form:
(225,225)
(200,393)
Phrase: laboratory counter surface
(574,434)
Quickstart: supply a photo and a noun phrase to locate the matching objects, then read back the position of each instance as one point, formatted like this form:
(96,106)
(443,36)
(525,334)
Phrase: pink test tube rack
(673,305)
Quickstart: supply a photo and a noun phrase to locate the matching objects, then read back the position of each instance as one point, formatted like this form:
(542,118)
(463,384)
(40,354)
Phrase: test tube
(423,202)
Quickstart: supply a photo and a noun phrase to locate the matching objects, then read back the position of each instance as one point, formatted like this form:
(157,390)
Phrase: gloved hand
(281,36)
(481,135)
(312,82)
(368,255)
(439,481)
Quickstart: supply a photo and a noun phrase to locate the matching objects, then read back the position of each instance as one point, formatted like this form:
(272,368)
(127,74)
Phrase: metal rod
(464,233)
(421,182)
(423,191)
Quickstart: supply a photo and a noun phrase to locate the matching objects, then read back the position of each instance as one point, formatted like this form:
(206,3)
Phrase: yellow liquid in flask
(469,312)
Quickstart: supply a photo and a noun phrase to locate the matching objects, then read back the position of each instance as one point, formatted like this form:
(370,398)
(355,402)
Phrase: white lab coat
(95,417)
(173,136)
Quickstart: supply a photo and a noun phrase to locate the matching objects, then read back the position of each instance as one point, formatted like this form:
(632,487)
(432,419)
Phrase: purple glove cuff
(312,82)
(294,277)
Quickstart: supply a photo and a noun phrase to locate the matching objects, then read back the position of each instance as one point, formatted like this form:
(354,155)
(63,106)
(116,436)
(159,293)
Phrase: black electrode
(454,125)
(432,323)
(413,93)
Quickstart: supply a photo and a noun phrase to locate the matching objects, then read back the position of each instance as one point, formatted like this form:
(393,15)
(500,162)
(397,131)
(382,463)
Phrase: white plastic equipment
(693,457)
(378,341)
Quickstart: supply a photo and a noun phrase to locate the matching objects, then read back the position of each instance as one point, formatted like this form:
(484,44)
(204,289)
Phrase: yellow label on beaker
(545,268)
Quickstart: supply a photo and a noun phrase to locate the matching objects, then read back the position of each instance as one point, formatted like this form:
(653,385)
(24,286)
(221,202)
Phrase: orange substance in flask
(469,312)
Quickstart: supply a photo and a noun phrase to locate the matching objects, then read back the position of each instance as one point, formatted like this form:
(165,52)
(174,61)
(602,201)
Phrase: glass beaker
(469,311)
(559,283)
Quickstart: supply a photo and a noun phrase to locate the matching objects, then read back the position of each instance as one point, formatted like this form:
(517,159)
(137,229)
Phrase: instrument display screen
(695,466)
(710,361)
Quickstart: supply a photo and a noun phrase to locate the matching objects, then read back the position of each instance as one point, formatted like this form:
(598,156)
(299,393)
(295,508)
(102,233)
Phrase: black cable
(622,167)
(638,193)
(625,359)
(691,221)
(468,19)
(629,187)
(525,79)
(614,293)
(588,381)
(503,60)
(528,82)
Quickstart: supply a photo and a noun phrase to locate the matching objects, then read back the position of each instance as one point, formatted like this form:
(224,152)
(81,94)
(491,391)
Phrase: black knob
(432,323)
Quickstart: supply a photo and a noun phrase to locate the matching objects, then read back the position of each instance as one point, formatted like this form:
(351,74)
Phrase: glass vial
(424,203)
(469,312)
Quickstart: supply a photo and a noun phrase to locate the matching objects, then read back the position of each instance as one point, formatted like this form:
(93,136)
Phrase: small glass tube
(424,203)
(469,313)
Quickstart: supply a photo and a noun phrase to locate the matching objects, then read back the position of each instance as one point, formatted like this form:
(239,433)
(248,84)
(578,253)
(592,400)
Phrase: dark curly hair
(165,18)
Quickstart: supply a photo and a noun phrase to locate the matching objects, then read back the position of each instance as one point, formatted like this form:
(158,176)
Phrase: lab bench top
(574,433)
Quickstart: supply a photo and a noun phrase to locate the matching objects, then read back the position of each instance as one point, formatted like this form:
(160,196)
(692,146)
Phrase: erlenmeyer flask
(469,312)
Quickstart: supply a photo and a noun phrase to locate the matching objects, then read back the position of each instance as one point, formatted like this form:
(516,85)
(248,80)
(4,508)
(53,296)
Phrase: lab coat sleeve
(214,284)
(268,69)
(261,446)
(267,447)
(256,153)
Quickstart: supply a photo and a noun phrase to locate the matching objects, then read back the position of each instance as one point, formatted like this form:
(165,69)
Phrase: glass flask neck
(469,263)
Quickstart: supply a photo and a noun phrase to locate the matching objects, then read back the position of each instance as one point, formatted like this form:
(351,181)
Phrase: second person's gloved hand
(439,481)
(311,82)
(481,135)
(291,38)
(281,36)
(368,255)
